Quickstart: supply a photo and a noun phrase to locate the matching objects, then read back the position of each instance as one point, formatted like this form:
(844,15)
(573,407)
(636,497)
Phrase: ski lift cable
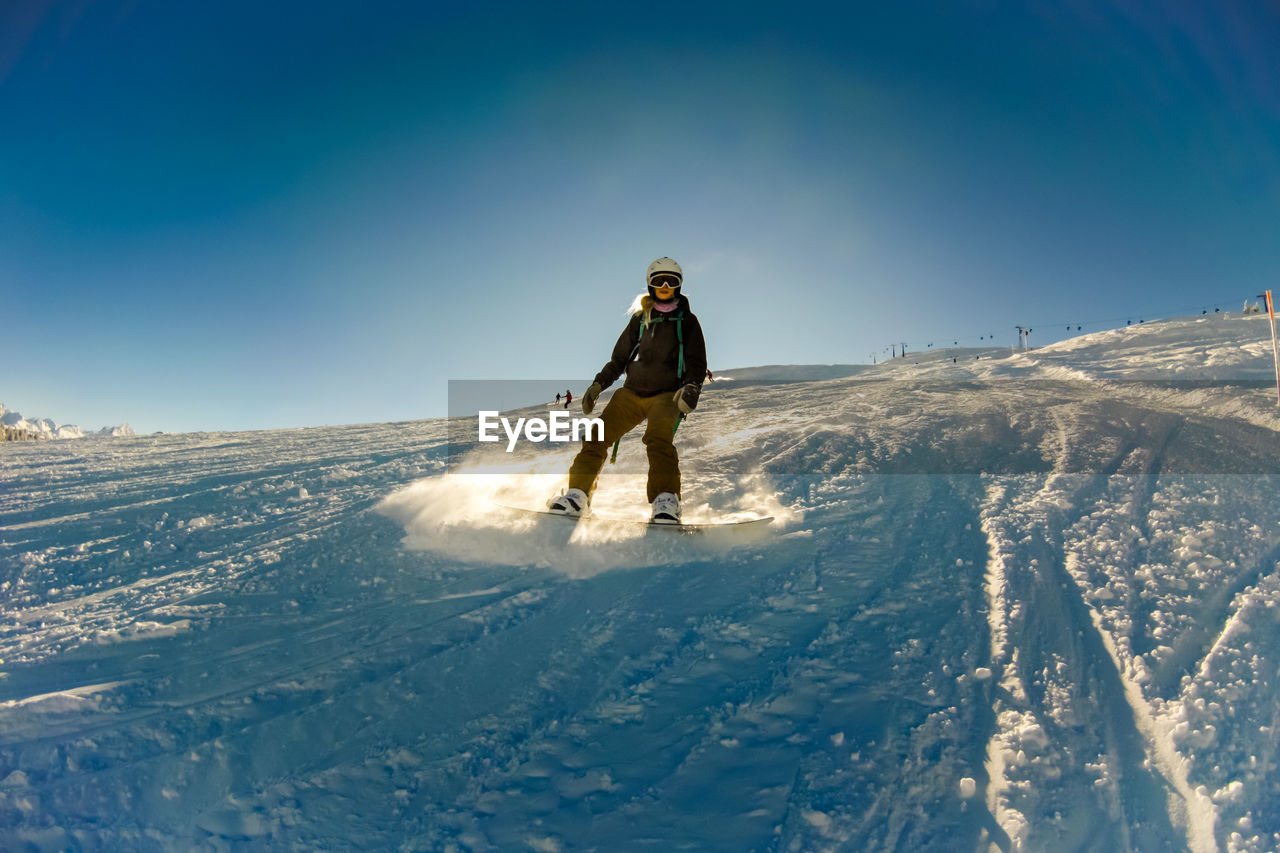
(990,339)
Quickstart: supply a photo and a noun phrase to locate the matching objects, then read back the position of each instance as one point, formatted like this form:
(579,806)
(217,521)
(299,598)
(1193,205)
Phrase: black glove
(589,398)
(687,398)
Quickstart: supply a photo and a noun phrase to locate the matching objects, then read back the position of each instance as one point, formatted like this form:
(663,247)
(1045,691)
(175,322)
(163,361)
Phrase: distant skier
(664,356)
(557,396)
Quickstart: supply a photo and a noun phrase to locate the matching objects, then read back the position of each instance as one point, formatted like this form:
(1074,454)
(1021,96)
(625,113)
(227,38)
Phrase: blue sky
(246,215)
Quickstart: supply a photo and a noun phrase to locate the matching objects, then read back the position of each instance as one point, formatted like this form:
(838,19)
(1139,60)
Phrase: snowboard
(748,527)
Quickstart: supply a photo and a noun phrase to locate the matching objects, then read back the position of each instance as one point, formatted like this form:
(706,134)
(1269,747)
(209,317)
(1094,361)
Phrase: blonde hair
(642,304)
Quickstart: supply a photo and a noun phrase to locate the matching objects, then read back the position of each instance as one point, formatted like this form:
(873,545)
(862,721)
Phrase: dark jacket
(655,365)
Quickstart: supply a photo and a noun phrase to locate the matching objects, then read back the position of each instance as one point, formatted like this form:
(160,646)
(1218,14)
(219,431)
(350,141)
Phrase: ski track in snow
(1022,602)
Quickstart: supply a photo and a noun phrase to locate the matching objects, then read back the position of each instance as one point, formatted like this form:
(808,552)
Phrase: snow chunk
(818,820)
(140,631)
(233,823)
(16,779)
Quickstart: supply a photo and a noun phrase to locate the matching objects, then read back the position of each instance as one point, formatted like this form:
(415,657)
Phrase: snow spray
(1275,347)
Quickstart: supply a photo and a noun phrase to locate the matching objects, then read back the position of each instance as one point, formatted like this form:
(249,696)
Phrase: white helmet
(664,265)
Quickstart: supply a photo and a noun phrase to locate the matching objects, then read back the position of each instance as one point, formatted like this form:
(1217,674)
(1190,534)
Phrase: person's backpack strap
(680,338)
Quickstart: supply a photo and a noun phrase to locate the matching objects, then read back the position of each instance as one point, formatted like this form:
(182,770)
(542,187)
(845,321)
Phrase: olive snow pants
(626,409)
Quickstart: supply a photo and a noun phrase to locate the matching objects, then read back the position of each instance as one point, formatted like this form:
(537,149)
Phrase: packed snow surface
(1012,602)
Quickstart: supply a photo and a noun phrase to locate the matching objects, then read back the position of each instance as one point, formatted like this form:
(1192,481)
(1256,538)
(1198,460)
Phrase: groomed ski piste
(1010,602)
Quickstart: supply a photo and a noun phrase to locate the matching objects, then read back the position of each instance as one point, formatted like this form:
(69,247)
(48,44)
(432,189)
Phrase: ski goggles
(664,281)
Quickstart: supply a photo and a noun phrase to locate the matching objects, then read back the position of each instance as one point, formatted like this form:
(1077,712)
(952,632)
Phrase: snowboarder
(664,356)
(568,398)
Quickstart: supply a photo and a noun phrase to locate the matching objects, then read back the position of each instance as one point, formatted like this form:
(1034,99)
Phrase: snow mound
(46,428)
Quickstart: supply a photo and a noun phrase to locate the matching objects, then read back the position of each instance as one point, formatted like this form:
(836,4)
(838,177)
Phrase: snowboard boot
(573,502)
(666,509)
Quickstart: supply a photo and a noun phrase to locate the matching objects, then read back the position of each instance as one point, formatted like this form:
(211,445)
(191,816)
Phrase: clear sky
(243,215)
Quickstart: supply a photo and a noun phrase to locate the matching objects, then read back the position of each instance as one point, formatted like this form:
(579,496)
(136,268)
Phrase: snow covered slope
(1022,602)
(790,372)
